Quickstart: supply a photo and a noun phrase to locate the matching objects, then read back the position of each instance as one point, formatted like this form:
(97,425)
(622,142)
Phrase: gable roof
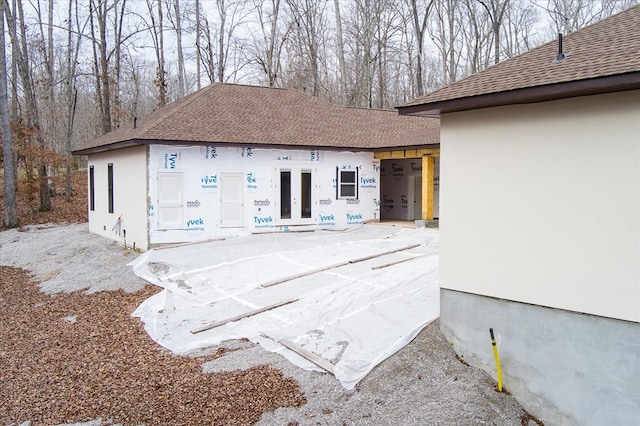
(224,113)
(601,58)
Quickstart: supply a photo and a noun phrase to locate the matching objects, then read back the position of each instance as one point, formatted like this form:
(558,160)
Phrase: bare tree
(10,219)
(495,10)
(222,14)
(267,45)
(208,59)
(32,117)
(119,12)
(177,24)
(45,44)
(445,33)
(73,51)
(98,13)
(232,15)
(308,18)
(520,20)
(156,31)
(477,36)
(198,54)
(340,47)
(420,28)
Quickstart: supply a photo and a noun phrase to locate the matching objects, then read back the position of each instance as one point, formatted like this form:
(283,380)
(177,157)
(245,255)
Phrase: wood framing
(428,156)
(406,153)
(428,173)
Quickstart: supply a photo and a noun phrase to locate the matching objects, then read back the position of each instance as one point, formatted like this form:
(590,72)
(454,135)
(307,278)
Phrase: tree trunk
(340,42)
(181,86)
(104,69)
(222,14)
(72,95)
(10,219)
(33,118)
(117,46)
(272,69)
(419,28)
(198,53)
(162,75)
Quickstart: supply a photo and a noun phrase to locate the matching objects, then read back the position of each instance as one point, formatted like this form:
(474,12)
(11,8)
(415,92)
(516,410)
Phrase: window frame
(341,184)
(110,187)
(92,189)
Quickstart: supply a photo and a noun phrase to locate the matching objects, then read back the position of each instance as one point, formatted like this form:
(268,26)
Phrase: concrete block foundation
(565,368)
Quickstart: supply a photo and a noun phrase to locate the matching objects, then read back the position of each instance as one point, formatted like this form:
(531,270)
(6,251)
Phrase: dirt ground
(71,352)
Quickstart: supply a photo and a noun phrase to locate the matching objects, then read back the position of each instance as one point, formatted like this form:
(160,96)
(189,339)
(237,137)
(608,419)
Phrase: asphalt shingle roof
(607,48)
(237,114)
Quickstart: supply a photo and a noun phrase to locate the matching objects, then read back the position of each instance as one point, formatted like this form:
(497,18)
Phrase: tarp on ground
(361,295)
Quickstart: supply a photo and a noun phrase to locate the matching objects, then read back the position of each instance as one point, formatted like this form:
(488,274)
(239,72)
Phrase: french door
(295,194)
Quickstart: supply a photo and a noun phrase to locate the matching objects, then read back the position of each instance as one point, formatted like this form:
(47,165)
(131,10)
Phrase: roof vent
(135,122)
(561,54)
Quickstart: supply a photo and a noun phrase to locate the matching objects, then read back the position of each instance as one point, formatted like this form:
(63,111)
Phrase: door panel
(231,199)
(170,204)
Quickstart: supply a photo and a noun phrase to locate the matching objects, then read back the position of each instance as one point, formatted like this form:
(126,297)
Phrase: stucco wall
(130,196)
(542,204)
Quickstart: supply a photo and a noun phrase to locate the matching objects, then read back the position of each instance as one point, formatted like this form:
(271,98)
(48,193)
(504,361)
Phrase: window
(347,183)
(92,189)
(110,183)
(285,194)
(305,194)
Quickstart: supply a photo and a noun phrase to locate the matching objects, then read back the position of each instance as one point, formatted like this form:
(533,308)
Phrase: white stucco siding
(209,209)
(540,204)
(129,196)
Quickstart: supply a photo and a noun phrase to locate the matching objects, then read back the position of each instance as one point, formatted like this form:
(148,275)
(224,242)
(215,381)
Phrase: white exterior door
(232,200)
(170,204)
(295,194)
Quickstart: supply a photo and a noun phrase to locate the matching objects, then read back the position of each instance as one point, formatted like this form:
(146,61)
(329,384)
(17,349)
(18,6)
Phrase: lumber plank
(303,274)
(317,360)
(373,256)
(396,262)
(335,265)
(241,316)
(192,243)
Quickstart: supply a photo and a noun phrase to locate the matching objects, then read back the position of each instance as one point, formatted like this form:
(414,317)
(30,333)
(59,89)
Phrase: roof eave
(129,143)
(138,142)
(570,89)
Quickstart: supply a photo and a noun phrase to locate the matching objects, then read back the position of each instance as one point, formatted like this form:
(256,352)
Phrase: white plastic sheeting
(362,294)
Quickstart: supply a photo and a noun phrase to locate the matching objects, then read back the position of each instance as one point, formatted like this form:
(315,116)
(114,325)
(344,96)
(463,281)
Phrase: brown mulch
(77,357)
(104,365)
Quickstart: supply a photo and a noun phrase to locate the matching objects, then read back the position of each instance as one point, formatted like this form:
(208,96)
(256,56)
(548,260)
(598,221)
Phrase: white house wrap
(198,192)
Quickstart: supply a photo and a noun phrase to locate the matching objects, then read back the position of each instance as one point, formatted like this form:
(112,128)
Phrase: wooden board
(162,247)
(241,316)
(395,263)
(302,274)
(335,265)
(317,360)
(373,256)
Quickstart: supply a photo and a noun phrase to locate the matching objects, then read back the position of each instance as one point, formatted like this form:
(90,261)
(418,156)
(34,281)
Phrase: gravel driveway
(425,383)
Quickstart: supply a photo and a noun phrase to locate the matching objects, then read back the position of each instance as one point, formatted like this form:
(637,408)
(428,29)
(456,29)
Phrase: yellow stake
(497,357)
